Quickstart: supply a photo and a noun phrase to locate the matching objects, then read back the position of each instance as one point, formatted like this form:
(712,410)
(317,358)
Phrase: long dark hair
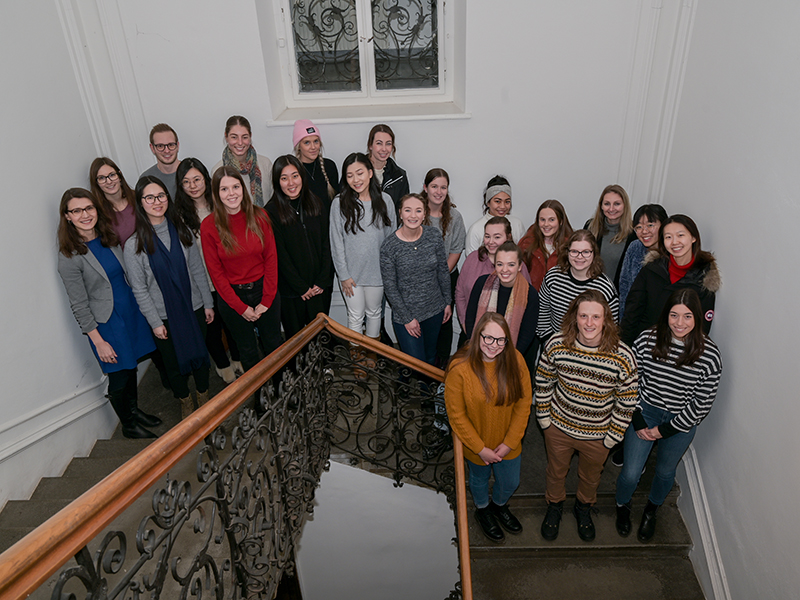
(582,235)
(559,239)
(145,234)
(691,227)
(348,199)
(448,203)
(609,340)
(308,201)
(184,204)
(99,195)
(694,343)
(70,241)
(509,378)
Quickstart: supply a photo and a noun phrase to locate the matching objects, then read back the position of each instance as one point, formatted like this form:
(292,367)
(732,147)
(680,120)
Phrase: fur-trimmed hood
(704,264)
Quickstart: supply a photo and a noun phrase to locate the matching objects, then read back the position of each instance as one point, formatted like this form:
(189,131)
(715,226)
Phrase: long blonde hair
(598,223)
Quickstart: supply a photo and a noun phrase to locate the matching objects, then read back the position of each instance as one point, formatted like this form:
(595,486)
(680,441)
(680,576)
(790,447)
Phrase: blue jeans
(670,451)
(506,481)
(423,347)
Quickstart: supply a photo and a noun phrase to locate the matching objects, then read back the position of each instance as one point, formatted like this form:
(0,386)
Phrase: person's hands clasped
(489,456)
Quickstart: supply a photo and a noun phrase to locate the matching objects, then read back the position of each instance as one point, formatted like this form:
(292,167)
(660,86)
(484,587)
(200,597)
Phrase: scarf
(517,302)
(676,271)
(172,276)
(250,168)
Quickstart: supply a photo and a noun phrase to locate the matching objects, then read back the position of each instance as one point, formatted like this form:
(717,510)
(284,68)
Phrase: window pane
(406,44)
(326,45)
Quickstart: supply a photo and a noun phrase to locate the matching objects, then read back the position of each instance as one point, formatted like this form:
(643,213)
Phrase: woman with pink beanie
(323,176)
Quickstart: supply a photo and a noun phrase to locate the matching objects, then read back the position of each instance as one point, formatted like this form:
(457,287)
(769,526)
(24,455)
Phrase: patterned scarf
(517,302)
(250,168)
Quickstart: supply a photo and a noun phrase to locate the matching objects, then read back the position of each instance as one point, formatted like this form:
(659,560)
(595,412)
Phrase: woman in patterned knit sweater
(488,397)
(586,388)
(416,281)
(679,371)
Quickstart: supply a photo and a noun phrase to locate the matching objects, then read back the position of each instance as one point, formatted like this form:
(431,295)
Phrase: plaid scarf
(250,168)
(517,302)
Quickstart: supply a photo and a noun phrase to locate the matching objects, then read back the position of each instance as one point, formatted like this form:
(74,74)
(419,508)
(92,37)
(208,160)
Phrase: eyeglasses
(113,176)
(581,253)
(162,197)
(490,339)
(78,212)
(192,182)
(162,147)
(648,227)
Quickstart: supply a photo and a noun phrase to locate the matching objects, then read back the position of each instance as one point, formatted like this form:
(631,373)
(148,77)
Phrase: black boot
(130,428)
(489,525)
(132,397)
(648,525)
(552,520)
(583,514)
(507,521)
(624,519)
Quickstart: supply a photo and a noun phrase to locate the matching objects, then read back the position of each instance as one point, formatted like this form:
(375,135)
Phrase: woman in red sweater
(544,240)
(488,397)
(239,249)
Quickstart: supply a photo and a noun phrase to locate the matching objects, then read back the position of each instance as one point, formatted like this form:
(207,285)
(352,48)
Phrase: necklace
(403,238)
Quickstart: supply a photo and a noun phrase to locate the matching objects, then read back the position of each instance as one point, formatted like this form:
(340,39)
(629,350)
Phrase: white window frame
(288,103)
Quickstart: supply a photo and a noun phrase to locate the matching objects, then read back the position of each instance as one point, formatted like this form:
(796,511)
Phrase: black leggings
(178,382)
(243,331)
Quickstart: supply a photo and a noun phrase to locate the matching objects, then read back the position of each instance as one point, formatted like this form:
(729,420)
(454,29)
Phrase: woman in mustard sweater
(488,398)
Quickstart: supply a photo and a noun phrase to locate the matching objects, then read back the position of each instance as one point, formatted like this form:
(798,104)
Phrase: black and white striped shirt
(559,289)
(688,391)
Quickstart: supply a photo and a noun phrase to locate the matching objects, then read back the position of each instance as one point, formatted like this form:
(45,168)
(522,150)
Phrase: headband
(494,190)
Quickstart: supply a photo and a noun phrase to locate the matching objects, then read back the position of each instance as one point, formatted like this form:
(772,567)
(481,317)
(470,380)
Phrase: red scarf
(517,302)
(676,271)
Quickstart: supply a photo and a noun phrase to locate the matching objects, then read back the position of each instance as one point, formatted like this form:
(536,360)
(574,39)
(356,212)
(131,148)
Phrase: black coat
(652,288)
(395,181)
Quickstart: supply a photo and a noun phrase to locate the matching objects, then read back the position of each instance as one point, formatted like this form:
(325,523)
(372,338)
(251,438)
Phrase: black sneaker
(583,514)
(617,458)
(507,521)
(552,519)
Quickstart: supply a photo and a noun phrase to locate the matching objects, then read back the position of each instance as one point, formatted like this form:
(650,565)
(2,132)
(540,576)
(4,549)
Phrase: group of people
(192,264)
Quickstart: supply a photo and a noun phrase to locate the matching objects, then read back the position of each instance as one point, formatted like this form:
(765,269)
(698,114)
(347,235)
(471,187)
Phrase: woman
(543,242)
(415,279)
(323,176)
(497,230)
(239,248)
(612,227)
(579,268)
(679,373)
(648,219)
(586,387)
(169,282)
(505,291)
(300,226)
(361,218)
(488,397)
(115,195)
(91,266)
(679,263)
(239,154)
(381,150)
(443,215)
(496,203)
(193,203)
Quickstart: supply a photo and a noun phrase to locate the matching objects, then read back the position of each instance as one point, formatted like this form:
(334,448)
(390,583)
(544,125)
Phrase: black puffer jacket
(652,288)
(395,181)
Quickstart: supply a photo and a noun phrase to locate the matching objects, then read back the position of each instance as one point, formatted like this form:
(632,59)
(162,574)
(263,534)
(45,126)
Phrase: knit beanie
(302,129)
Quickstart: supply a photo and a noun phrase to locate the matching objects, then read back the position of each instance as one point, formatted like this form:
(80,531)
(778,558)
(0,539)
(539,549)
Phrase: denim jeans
(423,347)
(506,481)
(669,453)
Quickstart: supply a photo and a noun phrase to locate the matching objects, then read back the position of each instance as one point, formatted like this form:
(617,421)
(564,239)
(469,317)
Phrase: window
(381,57)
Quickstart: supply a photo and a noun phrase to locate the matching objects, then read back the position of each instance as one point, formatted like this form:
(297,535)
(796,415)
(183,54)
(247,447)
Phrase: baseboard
(696,513)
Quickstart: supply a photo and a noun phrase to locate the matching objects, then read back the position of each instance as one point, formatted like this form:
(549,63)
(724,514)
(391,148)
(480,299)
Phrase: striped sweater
(559,289)
(586,393)
(688,391)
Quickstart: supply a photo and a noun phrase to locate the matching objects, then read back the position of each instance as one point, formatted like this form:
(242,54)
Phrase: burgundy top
(124,224)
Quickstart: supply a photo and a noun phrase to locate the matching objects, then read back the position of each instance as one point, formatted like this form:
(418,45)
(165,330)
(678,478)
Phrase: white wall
(381,542)
(734,169)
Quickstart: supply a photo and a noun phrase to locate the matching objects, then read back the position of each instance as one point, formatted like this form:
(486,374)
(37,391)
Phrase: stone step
(11,535)
(23,513)
(118,447)
(671,537)
(94,469)
(581,576)
(62,488)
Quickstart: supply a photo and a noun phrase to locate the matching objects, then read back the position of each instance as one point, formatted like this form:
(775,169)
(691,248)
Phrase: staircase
(609,568)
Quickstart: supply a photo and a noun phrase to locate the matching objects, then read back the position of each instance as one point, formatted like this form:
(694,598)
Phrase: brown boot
(202,398)
(357,355)
(187,406)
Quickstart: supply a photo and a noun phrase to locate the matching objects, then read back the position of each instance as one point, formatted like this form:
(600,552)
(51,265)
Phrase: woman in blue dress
(90,264)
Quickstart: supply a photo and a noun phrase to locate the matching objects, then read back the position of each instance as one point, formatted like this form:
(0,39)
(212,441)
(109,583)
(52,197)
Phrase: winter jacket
(395,181)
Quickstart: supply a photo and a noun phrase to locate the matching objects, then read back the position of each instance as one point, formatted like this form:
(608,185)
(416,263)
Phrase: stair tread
(599,578)
(118,447)
(94,468)
(24,513)
(671,534)
(11,535)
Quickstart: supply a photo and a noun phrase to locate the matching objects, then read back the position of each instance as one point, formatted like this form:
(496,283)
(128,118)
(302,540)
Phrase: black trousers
(296,313)
(178,382)
(214,343)
(445,341)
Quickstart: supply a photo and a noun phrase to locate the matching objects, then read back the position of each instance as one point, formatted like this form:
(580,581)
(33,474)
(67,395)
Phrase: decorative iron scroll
(233,533)
(406,44)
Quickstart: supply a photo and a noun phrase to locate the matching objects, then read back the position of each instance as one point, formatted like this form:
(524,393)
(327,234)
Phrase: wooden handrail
(29,562)
(461,519)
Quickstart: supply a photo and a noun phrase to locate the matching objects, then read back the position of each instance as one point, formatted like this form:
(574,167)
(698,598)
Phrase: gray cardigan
(145,287)
(88,288)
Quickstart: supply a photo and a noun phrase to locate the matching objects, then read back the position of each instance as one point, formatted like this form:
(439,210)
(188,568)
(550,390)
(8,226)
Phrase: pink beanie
(302,129)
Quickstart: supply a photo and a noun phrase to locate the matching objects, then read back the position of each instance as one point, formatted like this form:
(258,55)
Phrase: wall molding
(707,545)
